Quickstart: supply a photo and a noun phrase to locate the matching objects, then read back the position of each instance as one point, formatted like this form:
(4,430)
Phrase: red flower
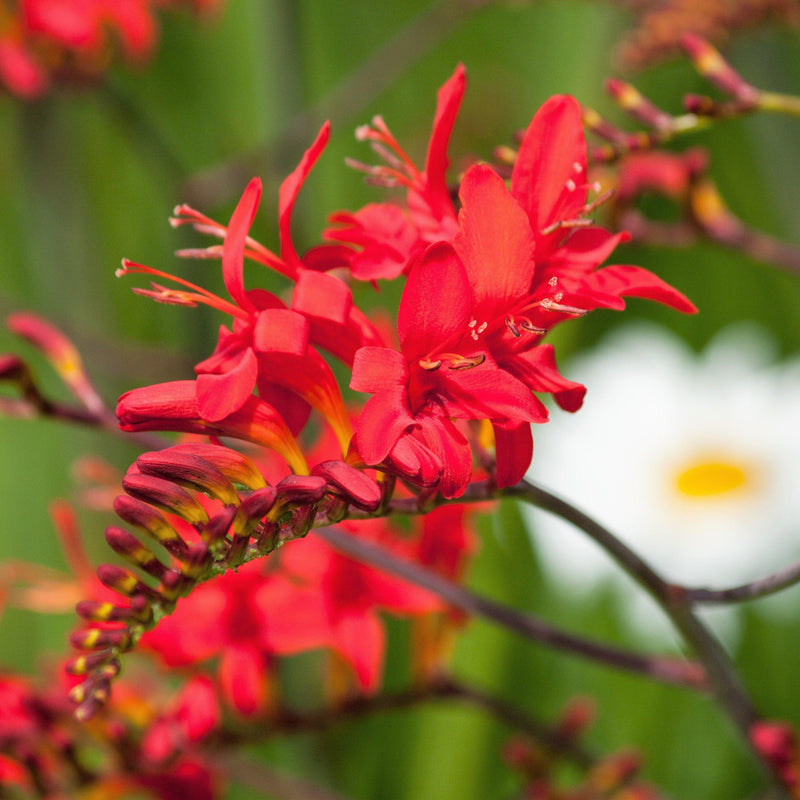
(269,347)
(549,183)
(439,375)
(335,323)
(312,598)
(388,236)
(352,594)
(243,618)
(189,717)
(473,312)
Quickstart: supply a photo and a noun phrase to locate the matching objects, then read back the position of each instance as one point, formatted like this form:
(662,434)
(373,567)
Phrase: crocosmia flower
(389,236)
(268,357)
(473,312)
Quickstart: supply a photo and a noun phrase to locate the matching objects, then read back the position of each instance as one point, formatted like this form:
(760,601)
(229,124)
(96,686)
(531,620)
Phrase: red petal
(447,442)
(294,410)
(20,72)
(495,243)
(585,249)
(281,330)
(436,303)
(383,419)
(191,633)
(242,674)
(488,392)
(376,368)
(221,395)
(325,257)
(334,323)
(360,640)
(198,710)
(386,239)
(633,281)
(436,162)
(70,24)
(537,367)
(296,618)
(289,190)
(323,296)
(234,244)
(514,452)
(446,541)
(546,181)
(135,27)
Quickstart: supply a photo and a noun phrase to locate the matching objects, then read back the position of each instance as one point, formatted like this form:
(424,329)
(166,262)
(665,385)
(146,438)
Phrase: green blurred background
(89,176)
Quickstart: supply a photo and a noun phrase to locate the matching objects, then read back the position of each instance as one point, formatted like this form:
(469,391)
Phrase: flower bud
(356,487)
(61,353)
(165,495)
(189,470)
(150,521)
(83,664)
(259,503)
(139,610)
(236,466)
(630,99)
(101,638)
(301,489)
(124,582)
(710,64)
(134,552)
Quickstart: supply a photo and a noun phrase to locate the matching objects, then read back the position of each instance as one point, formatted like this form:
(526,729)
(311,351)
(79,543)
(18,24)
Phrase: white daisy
(694,461)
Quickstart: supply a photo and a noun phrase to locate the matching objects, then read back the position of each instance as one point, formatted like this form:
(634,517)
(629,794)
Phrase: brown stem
(667,670)
(104,420)
(443,688)
(763,587)
(674,601)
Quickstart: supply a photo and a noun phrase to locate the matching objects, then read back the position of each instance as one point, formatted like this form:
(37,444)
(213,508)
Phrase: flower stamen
(551,304)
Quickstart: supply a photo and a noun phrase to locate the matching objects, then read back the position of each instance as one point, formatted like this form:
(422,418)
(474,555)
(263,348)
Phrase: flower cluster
(317,471)
(490,266)
(47,41)
(44,752)
(486,280)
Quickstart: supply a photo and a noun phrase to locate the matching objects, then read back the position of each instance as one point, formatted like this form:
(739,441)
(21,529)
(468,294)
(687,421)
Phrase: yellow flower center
(705,478)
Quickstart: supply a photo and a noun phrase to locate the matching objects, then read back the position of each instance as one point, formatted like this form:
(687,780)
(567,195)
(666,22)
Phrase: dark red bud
(189,470)
(134,552)
(302,489)
(83,664)
(237,467)
(100,638)
(352,483)
(167,496)
(124,582)
(260,502)
(139,610)
(150,521)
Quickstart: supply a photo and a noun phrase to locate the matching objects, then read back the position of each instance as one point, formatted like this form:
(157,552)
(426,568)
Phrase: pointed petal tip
(255,185)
